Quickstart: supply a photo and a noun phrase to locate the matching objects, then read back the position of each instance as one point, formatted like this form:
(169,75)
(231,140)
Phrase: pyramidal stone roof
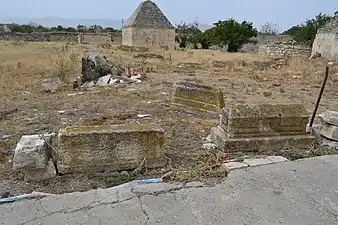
(148,15)
(331,26)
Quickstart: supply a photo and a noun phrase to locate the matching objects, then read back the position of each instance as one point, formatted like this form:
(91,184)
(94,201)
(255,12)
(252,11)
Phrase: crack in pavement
(143,210)
(97,203)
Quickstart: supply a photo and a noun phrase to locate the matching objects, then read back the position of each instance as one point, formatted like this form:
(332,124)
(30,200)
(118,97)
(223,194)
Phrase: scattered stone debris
(98,71)
(33,155)
(197,96)
(51,85)
(262,128)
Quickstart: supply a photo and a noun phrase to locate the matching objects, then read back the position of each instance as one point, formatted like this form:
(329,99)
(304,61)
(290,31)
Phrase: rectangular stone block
(114,148)
(32,152)
(331,117)
(41,174)
(197,96)
(259,144)
(330,132)
(243,121)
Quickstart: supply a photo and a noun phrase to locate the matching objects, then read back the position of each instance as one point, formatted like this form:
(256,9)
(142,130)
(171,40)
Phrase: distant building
(148,27)
(326,41)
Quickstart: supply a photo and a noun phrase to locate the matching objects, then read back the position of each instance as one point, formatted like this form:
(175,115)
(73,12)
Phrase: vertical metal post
(320,96)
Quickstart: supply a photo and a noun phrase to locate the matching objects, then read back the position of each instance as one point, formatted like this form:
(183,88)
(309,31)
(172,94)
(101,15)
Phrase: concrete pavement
(292,193)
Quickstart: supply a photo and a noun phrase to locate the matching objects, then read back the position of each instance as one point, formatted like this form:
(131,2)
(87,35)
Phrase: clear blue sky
(284,13)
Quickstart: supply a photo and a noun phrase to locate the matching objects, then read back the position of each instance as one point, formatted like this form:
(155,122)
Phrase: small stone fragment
(277,159)
(330,132)
(51,85)
(257,162)
(40,174)
(194,184)
(331,117)
(234,165)
(31,152)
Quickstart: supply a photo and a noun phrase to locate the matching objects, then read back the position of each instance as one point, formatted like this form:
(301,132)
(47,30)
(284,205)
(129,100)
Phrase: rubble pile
(98,71)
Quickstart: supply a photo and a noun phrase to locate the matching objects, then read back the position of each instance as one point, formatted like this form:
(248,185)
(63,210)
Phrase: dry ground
(244,78)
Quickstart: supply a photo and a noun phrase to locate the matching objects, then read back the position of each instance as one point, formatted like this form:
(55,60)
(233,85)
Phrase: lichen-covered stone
(32,152)
(197,96)
(331,117)
(330,132)
(244,121)
(114,148)
(41,174)
(260,144)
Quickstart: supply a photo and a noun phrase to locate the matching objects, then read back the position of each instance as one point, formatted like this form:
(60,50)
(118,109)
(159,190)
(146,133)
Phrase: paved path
(301,192)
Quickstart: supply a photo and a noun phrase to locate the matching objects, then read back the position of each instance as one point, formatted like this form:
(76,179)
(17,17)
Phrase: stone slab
(330,132)
(266,120)
(114,148)
(40,174)
(256,144)
(331,117)
(277,159)
(197,96)
(257,162)
(31,152)
(234,165)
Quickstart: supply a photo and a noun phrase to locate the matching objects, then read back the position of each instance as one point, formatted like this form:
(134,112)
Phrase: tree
(232,33)
(306,32)
(269,29)
(81,28)
(206,38)
(187,34)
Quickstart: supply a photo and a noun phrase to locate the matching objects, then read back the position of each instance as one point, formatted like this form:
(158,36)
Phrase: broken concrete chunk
(197,96)
(330,132)
(41,174)
(117,147)
(233,166)
(51,85)
(331,117)
(31,152)
(104,81)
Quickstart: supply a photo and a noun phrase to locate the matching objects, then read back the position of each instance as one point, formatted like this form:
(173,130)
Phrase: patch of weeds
(256,78)
(298,154)
(282,90)
(261,65)
(65,66)
(323,151)
(207,165)
(294,155)
(267,94)
(118,180)
(194,79)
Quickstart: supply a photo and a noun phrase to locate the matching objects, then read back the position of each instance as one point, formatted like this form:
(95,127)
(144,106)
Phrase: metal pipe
(320,96)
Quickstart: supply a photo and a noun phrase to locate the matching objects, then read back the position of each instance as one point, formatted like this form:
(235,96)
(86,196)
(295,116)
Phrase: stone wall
(60,37)
(149,38)
(284,49)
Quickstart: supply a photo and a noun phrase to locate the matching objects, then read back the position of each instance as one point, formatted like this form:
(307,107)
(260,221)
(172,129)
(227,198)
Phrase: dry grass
(243,78)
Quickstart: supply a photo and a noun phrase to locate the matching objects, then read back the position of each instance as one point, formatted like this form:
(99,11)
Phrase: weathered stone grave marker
(197,96)
(114,148)
(262,128)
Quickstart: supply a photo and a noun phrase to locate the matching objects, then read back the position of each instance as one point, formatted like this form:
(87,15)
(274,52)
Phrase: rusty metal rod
(320,96)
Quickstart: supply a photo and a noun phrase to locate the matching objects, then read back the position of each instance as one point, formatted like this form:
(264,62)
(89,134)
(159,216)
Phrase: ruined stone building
(148,27)
(326,41)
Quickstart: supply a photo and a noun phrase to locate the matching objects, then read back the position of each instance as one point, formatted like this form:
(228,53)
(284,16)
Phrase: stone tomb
(197,96)
(118,147)
(262,128)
